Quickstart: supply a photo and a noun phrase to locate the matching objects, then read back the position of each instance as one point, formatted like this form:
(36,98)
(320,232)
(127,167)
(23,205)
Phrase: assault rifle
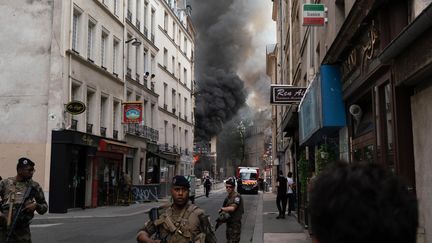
(17,213)
(154,215)
(223,217)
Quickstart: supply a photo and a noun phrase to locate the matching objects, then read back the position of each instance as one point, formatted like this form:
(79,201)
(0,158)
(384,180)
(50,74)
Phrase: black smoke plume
(221,41)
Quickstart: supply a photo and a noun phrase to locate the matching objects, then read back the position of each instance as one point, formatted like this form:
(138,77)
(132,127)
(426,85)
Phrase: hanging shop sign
(313,14)
(75,107)
(286,94)
(132,112)
(322,110)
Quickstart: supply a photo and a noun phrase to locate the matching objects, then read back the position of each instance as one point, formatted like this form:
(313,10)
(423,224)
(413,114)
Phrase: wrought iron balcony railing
(171,149)
(129,72)
(89,128)
(138,24)
(129,15)
(103,131)
(143,131)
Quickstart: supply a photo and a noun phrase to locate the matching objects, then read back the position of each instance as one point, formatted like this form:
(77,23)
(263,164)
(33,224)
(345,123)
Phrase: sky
(230,62)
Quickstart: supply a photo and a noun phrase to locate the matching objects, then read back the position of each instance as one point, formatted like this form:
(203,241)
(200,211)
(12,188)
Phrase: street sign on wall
(285,94)
(313,14)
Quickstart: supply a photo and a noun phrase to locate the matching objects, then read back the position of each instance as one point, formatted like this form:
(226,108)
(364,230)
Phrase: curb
(258,235)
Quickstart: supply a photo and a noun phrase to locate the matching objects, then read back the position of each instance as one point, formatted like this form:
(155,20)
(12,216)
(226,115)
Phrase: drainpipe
(290,44)
(70,56)
(281,43)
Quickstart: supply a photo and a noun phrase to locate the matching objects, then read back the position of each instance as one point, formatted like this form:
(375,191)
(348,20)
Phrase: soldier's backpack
(205,225)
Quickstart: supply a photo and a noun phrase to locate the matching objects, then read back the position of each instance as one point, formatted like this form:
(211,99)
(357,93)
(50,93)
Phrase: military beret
(179,180)
(22,162)
(230,181)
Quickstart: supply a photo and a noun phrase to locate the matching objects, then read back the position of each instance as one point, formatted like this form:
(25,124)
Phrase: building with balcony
(100,54)
(175,34)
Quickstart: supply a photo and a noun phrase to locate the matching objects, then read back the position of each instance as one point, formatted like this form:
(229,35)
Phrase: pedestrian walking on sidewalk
(290,192)
(233,204)
(179,222)
(360,203)
(21,196)
(281,197)
(207,186)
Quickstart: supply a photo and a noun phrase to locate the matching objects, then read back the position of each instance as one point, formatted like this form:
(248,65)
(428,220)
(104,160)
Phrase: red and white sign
(313,14)
(132,112)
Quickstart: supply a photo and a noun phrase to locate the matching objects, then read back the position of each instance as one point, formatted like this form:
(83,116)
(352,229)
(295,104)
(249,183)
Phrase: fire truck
(247,180)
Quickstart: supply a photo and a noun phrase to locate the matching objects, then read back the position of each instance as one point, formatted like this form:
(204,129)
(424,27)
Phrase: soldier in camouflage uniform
(179,222)
(12,190)
(233,205)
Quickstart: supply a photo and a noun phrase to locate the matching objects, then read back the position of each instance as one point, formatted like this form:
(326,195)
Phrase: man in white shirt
(290,192)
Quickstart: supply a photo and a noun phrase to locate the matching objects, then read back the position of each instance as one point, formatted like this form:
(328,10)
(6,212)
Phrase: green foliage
(303,169)
(323,157)
(230,144)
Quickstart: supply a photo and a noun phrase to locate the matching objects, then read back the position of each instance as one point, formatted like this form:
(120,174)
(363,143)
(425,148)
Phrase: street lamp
(135,42)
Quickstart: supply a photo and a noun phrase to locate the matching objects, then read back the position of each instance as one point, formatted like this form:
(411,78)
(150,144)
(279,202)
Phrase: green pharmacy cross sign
(313,14)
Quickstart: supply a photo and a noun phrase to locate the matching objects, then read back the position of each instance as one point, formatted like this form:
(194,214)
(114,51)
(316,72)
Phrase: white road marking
(44,225)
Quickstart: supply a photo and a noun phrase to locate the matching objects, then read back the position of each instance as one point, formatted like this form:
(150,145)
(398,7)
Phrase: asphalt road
(123,229)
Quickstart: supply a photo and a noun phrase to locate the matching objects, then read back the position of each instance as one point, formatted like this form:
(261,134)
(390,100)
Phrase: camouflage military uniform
(21,234)
(233,227)
(178,226)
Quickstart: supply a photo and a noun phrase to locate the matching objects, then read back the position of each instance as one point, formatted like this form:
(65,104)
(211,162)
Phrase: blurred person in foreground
(179,222)
(360,203)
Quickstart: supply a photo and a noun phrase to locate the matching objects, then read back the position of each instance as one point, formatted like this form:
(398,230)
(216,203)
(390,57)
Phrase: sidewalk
(268,229)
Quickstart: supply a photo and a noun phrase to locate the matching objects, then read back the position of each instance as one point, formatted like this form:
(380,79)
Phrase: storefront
(378,131)
(108,168)
(85,170)
(321,116)
(409,55)
(160,168)
(72,153)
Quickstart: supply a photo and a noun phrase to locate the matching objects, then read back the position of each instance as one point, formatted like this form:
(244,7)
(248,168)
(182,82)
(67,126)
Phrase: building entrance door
(77,178)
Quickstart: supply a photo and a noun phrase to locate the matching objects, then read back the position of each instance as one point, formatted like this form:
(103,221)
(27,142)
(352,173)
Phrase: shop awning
(322,110)
(116,147)
(170,158)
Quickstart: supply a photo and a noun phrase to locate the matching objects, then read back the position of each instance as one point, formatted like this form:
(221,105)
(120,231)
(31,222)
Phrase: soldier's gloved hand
(142,237)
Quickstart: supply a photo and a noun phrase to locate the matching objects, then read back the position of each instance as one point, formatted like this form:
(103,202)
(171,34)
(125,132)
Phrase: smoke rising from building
(230,60)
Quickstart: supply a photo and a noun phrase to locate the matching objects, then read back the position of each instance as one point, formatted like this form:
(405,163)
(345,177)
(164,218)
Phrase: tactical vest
(14,193)
(176,227)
